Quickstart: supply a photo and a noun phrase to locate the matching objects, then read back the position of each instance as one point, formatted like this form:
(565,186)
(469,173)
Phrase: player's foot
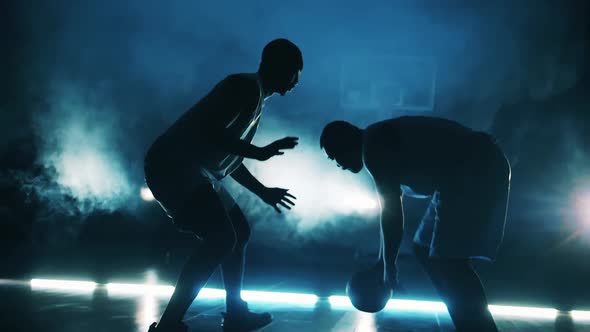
(179,327)
(241,319)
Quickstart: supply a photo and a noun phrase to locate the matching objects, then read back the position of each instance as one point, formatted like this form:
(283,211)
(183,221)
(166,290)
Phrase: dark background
(87,86)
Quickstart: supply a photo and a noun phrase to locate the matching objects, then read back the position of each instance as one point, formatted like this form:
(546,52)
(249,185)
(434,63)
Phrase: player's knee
(240,226)
(242,236)
(454,269)
(421,252)
(221,243)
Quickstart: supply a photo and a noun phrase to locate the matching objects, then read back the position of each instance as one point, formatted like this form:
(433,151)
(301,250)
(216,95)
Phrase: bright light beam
(579,315)
(276,297)
(70,285)
(139,289)
(440,307)
(394,304)
(213,293)
(412,305)
(523,312)
(159,290)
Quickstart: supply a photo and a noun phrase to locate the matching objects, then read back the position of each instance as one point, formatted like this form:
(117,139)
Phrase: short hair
(281,53)
(336,134)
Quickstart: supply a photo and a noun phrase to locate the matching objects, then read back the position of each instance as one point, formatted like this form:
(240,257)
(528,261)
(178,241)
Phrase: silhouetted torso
(426,153)
(190,147)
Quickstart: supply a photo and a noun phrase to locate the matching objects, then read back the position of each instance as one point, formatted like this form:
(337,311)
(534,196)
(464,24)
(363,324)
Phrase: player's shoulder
(244,87)
(381,142)
(381,135)
(374,146)
(246,84)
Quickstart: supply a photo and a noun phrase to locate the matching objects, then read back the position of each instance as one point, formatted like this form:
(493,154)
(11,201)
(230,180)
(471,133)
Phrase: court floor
(68,306)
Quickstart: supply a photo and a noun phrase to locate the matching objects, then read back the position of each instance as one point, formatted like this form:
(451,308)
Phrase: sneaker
(180,327)
(244,320)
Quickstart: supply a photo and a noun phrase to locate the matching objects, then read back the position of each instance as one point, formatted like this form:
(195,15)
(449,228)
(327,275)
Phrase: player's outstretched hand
(277,196)
(274,148)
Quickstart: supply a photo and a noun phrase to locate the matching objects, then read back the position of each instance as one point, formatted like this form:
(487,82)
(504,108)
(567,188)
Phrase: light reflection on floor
(58,303)
(365,322)
(147,311)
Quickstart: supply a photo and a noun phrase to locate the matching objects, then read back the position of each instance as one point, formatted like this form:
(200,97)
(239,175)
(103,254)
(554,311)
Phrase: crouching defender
(467,178)
(183,168)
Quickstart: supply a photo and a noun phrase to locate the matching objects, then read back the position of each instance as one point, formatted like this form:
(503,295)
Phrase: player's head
(280,65)
(342,142)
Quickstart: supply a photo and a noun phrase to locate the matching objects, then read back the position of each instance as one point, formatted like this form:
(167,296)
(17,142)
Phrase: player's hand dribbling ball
(367,291)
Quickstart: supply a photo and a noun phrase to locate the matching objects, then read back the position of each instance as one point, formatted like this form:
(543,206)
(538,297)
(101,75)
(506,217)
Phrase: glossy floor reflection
(123,307)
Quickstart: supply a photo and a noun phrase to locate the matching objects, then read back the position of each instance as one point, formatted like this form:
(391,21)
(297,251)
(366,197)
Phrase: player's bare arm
(390,199)
(238,96)
(271,196)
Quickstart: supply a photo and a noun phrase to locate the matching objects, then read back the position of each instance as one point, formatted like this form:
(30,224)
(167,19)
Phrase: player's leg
(452,230)
(238,316)
(461,289)
(469,226)
(466,297)
(424,232)
(233,266)
(206,217)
